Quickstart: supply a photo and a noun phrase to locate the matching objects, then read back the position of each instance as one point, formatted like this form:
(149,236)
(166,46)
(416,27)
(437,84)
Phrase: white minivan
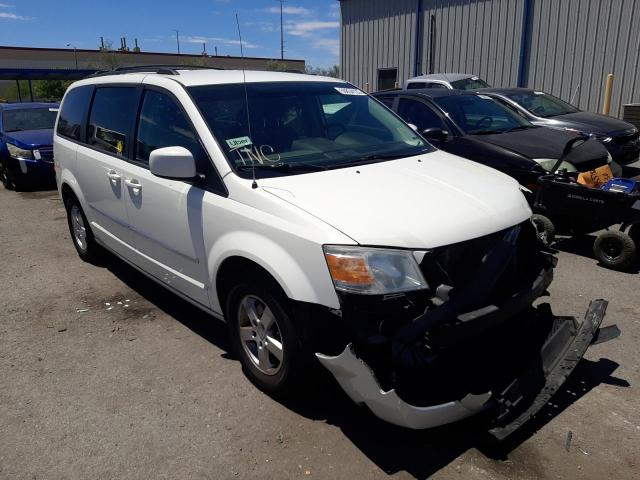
(321,227)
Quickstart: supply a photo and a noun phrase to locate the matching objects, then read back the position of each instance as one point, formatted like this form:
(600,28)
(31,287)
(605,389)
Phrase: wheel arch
(248,252)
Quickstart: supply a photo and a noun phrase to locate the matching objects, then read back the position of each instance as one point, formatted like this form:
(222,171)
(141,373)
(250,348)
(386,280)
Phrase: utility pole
(178,40)
(281,32)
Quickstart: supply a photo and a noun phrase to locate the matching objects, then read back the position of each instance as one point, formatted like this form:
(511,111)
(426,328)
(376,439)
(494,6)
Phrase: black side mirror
(435,134)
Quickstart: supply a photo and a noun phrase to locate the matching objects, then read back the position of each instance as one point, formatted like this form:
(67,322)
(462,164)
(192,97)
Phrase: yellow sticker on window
(120,146)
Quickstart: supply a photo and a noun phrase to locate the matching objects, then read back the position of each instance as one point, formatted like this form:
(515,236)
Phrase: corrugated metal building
(564,47)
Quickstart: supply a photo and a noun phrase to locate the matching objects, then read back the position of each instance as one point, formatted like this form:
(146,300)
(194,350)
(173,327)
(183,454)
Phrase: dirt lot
(106,375)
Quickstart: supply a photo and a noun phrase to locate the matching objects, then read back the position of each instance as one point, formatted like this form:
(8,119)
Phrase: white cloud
(332,45)
(289,10)
(306,28)
(218,40)
(334,10)
(4,5)
(12,16)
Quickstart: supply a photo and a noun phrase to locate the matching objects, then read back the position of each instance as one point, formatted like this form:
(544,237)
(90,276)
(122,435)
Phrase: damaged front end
(472,342)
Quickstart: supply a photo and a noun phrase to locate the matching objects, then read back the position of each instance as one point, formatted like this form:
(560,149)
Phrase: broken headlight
(373,271)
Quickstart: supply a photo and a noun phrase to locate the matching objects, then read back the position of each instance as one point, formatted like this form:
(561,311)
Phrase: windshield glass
(28,119)
(480,115)
(471,83)
(300,126)
(541,104)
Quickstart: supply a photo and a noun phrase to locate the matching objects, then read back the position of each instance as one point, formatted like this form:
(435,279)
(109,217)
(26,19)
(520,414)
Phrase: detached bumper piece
(359,382)
(566,344)
(560,354)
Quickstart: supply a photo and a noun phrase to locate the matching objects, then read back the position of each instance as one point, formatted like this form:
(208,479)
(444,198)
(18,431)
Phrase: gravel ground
(106,375)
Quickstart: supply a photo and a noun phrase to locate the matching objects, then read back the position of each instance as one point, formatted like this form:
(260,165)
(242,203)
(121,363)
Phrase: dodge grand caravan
(320,226)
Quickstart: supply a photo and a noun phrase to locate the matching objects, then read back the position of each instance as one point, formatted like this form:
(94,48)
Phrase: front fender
(307,280)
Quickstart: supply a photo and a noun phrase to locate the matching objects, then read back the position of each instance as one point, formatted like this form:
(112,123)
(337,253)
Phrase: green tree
(332,71)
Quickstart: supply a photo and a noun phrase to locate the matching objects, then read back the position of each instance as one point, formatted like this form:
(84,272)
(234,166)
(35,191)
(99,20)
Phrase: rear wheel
(545,229)
(263,335)
(81,233)
(615,249)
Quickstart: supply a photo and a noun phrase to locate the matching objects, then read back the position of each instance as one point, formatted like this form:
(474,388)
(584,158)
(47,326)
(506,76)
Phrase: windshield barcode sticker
(239,142)
(539,93)
(484,97)
(349,91)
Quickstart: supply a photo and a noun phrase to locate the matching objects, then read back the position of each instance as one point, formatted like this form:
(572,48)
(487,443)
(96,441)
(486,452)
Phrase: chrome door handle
(133,184)
(113,176)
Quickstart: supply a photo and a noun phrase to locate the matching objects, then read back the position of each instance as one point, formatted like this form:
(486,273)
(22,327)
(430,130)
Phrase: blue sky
(311,26)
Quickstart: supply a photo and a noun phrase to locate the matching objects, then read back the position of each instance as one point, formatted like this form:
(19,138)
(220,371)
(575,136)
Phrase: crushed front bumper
(565,345)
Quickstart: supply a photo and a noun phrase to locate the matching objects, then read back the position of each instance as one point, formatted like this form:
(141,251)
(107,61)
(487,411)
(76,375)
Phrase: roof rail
(160,69)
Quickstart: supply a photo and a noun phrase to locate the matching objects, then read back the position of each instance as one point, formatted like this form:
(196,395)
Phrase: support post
(19,93)
(30,91)
(608,90)
(525,39)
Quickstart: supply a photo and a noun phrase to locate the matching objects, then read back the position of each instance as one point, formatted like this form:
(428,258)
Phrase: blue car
(26,144)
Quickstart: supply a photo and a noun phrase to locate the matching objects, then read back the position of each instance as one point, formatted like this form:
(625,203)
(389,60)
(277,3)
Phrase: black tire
(5,178)
(87,249)
(634,233)
(615,249)
(545,229)
(287,375)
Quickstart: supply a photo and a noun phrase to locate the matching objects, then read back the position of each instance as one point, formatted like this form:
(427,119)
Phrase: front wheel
(5,179)
(615,250)
(263,335)
(545,230)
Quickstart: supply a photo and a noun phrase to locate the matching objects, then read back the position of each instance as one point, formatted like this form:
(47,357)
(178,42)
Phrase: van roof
(204,76)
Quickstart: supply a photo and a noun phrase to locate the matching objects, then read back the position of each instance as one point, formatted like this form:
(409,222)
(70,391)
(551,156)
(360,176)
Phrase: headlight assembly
(17,152)
(373,271)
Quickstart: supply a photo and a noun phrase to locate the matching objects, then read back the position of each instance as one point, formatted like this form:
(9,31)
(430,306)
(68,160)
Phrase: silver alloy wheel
(79,228)
(260,335)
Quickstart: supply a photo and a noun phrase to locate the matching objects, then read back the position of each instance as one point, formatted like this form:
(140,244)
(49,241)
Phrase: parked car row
(322,227)
(525,134)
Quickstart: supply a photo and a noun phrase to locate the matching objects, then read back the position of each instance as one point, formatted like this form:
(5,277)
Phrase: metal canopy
(44,74)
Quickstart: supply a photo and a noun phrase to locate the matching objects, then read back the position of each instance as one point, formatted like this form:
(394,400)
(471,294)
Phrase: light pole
(75,53)
(178,40)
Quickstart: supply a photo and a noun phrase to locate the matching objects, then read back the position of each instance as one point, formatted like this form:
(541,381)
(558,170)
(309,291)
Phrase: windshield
(301,126)
(471,83)
(541,104)
(28,119)
(480,115)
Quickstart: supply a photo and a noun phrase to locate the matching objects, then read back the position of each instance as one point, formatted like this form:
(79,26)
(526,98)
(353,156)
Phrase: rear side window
(416,85)
(111,119)
(72,113)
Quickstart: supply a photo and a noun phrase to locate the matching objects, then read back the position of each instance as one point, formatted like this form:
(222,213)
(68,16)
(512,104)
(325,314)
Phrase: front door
(165,216)
(99,165)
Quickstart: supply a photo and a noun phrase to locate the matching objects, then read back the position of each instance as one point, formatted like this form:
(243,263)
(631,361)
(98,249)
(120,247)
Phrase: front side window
(471,83)
(541,104)
(111,119)
(163,124)
(74,108)
(28,119)
(480,115)
(419,114)
(302,125)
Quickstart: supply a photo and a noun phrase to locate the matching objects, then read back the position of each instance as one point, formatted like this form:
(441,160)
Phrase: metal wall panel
(574,44)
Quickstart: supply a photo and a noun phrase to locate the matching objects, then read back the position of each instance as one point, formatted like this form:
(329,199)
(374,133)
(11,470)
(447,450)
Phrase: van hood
(419,202)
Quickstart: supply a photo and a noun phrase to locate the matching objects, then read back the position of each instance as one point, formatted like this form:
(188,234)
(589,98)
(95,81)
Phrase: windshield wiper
(283,167)
(375,157)
(519,127)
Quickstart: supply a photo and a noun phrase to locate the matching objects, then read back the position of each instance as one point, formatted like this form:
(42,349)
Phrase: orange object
(347,269)
(596,178)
